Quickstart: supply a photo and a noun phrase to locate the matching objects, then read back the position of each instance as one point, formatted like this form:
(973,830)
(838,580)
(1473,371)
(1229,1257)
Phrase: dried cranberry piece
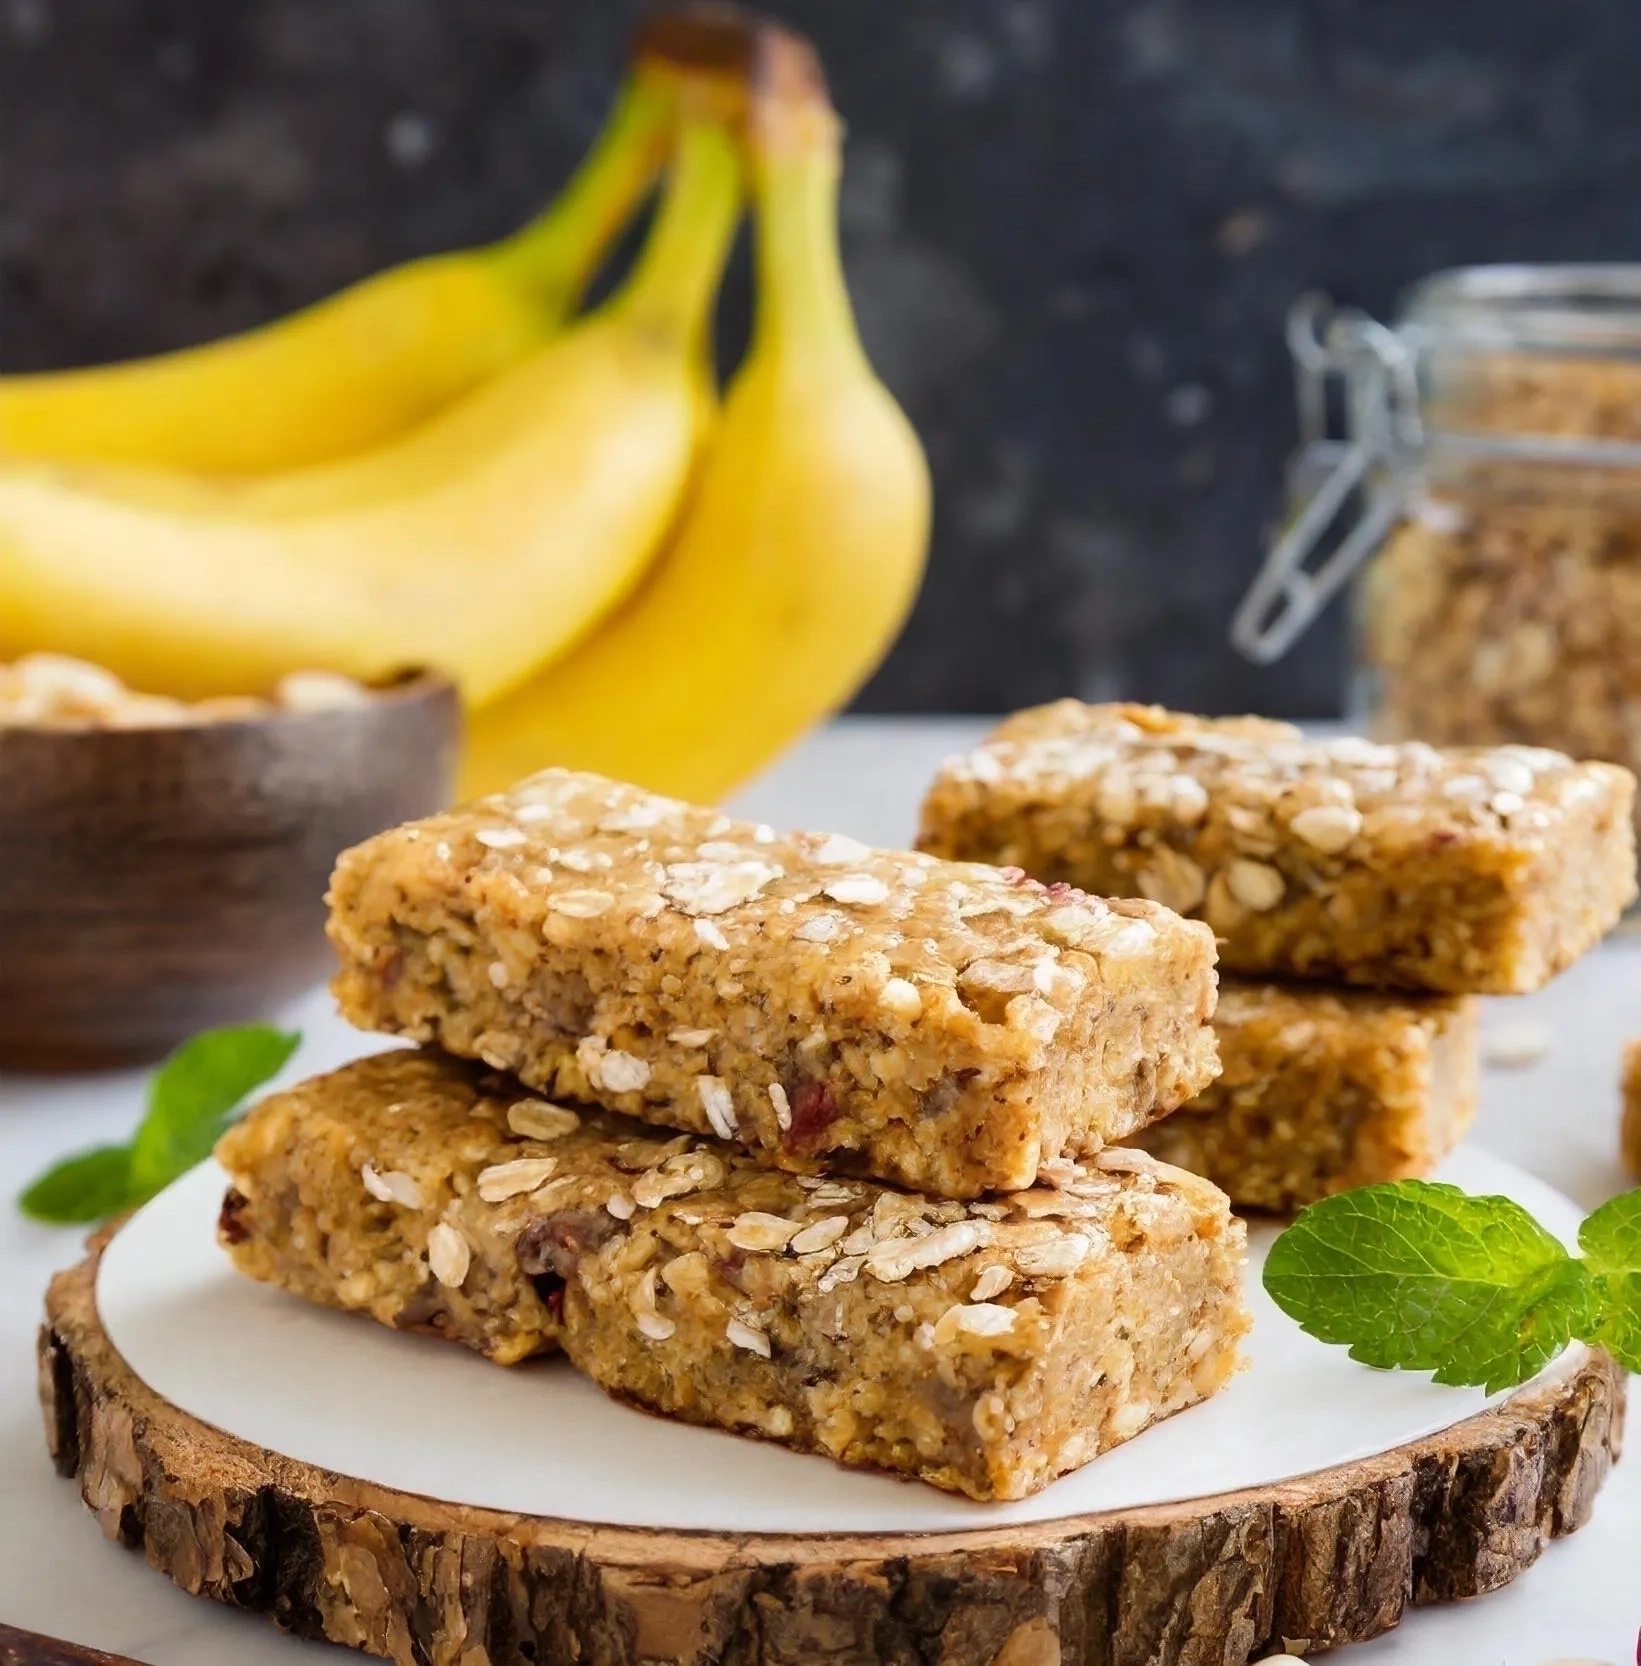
(556,1243)
(1063,888)
(814,1110)
(1019,877)
(230,1228)
(550,1287)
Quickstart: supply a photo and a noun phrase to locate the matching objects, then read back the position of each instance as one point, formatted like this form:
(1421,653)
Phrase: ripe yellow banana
(353,371)
(482,543)
(802,544)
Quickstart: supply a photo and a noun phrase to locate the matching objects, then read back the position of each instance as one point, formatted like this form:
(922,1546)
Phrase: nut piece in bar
(986,1348)
(1482,871)
(937,1025)
(1321,1090)
(1630,1129)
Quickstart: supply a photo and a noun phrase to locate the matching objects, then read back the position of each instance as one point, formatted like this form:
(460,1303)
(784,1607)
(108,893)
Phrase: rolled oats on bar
(938,1025)
(1477,871)
(985,1348)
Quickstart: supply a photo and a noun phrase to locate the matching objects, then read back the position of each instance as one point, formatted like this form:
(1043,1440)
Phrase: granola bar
(984,1347)
(1481,871)
(1630,1128)
(1321,1090)
(937,1025)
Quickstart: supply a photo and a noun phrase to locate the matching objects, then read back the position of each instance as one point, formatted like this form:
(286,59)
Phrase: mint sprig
(194,1096)
(1414,1275)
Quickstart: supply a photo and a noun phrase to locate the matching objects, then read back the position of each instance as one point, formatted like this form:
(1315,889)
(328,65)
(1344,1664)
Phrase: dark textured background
(1072,227)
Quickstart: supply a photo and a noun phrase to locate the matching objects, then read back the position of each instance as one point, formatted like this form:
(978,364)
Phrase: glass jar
(1490,467)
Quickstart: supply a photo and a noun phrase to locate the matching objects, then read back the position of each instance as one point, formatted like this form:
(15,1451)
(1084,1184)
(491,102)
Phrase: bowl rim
(403,688)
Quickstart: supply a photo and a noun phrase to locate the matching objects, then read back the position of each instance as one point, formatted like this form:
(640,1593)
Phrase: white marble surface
(1556,1117)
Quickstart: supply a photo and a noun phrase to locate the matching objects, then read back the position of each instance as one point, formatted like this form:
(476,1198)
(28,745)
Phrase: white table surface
(1557,1117)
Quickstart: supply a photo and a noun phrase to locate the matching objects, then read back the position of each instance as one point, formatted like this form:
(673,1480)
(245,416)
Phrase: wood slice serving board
(815,1564)
(30,1648)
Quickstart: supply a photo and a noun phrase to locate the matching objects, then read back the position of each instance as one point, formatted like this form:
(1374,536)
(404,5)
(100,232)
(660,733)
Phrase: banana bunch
(361,368)
(435,468)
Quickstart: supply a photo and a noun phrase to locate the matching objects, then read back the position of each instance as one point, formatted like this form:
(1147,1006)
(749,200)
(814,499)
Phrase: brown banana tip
(788,106)
(786,70)
(708,36)
(770,73)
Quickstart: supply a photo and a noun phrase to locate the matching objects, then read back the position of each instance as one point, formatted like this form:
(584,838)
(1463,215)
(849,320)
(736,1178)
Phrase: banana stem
(675,280)
(557,253)
(803,300)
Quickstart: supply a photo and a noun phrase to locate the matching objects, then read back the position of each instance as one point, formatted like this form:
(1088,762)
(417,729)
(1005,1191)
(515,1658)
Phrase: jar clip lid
(1374,457)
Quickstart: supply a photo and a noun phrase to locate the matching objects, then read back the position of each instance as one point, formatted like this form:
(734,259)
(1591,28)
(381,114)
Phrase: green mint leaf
(89,1186)
(194,1095)
(1419,1276)
(191,1100)
(1611,1237)
(1615,1303)
(1611,1241)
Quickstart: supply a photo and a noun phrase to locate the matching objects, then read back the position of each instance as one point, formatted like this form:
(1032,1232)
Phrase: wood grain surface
(157,882)
(1312,1563)
(29,1648)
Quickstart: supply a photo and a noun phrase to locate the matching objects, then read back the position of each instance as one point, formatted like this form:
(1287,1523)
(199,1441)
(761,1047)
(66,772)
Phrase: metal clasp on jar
(1346,491)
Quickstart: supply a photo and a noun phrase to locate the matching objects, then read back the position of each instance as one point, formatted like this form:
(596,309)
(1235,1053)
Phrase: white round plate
(423,1416)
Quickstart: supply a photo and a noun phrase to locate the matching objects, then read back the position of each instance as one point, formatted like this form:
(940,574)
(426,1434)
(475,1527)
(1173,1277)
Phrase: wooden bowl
(158,882)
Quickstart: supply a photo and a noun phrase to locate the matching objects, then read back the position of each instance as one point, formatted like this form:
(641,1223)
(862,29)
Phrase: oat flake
(980,1319)
(504,1180)
(860,889)
(715,887)
(1255,885)
(757,1231)
(819,1235)
(448,1255)
(620,1072)
(837,849)
(719,1105)
(537,1119)
(711,935)
(901,1257)
(581,905)
(993,1281)
(821,928)
(394,1186)
(741,1335)
(1058,1258)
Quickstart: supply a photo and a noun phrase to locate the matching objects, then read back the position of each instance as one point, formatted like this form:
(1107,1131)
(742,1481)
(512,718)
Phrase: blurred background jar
(1486,480)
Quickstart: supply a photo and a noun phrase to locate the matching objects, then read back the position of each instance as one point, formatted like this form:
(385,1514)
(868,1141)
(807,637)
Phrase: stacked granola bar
(1424,876)
(772,1132)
